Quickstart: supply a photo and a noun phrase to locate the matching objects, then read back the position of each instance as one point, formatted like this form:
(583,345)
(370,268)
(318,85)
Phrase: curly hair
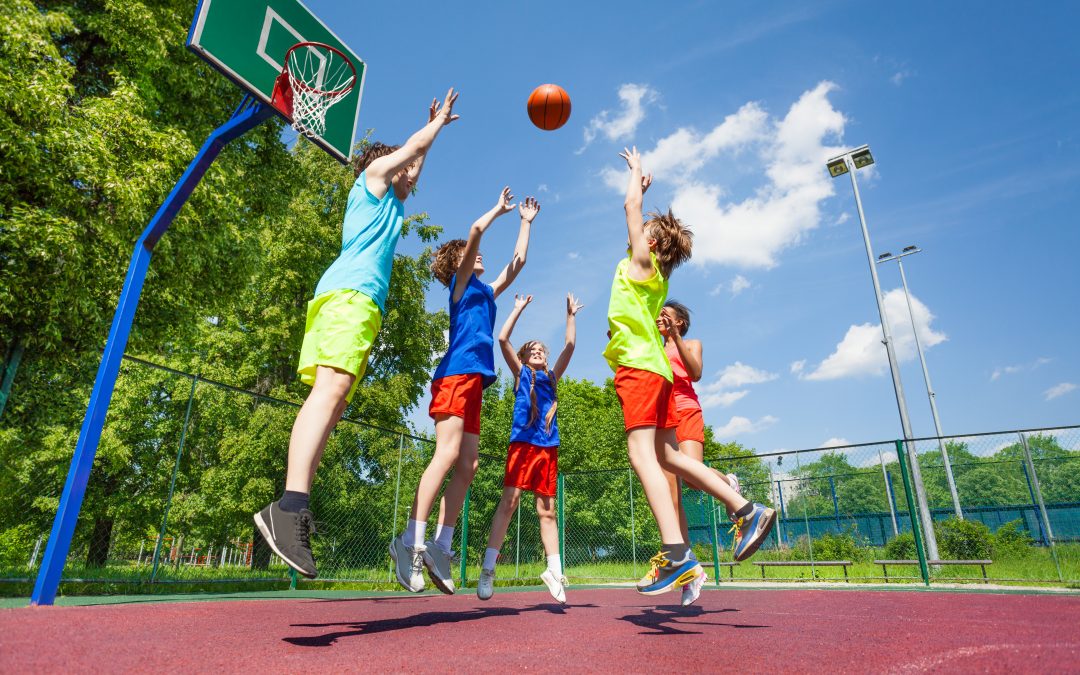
(682,314)
(534,412)
(373,152)
(674,241)
(445,260)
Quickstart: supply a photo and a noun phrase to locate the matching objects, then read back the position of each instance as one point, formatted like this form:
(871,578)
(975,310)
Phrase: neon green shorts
(341,328)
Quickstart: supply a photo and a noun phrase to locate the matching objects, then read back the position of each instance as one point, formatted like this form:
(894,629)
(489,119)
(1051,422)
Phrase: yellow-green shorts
(341,328)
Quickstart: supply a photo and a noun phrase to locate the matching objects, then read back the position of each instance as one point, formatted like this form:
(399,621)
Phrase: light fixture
(837,167)
(862,157)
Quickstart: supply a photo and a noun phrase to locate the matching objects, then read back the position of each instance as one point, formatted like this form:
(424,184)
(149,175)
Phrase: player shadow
(421,620)
(666,619)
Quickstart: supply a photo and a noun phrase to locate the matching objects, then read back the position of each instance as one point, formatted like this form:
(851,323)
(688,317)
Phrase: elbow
(476,230)
(632,204)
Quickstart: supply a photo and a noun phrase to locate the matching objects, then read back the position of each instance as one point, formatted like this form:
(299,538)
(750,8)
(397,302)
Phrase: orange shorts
(533,468)
(647,399)
(691,426)
(459,396)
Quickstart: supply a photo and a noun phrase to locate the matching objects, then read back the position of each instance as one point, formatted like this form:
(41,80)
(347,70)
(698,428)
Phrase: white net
(319,77)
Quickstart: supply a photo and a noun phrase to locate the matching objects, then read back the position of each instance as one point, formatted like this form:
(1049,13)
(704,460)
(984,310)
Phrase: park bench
(729,565)
(980,563)
(805,563)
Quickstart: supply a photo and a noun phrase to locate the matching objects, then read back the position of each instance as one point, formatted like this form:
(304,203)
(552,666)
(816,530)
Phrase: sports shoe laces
(736,532)
(657,561)
(305,527)
(417,562)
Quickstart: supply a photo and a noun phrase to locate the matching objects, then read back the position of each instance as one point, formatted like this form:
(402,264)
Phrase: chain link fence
(184,462)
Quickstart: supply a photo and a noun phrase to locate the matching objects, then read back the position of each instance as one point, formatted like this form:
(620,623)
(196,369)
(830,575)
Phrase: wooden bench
(805,563)
(729,565)
(980,563)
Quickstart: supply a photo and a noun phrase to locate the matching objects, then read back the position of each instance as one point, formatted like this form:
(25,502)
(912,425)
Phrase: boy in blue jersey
(342,321)
(456,392)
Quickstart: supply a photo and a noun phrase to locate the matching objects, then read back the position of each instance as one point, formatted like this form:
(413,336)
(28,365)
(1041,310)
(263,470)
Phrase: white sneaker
(437,562)
(485,588)
(408,564)
(556,585)
(692,590)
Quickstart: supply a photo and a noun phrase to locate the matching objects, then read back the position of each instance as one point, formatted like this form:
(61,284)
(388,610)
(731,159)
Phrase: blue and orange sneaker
(667,574)
(752,530)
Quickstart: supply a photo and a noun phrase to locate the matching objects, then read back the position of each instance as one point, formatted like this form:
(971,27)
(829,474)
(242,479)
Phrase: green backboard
(247,39)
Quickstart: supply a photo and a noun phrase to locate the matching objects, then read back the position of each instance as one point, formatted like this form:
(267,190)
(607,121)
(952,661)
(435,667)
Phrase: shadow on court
(668,620)
(421,620)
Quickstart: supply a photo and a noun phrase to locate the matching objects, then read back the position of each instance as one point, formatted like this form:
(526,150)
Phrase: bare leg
(675,485)
(503,513)
(549,524)
(697,451)
(448,437)
(690,469)
(641,445)
(316,419)
(464,470)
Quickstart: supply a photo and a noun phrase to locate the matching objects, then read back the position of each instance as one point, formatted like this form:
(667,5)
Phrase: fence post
(780,517)
(914,515)
(397,491)
(292,579)
(715,548)
(806,523)
(560,491)
(889,496)
(172,483)
(1034,478)
(1034,503)
(633,525)
(465,535)
(835,504)
(517,543)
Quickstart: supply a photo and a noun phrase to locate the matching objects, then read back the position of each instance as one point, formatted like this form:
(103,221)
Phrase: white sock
(444,537)
(491,556)
(414,532)
(555,564)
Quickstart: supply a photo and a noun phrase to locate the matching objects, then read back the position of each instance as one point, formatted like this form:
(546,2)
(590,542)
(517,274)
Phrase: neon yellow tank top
(632,312)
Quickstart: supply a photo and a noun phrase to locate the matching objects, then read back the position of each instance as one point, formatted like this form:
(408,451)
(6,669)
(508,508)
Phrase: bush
(843,546)
(901,547)
(1011,540)
(963,539)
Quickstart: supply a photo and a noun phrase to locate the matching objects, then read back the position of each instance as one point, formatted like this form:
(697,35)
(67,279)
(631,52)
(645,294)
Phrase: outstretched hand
(506,202)
(446,110)
(573,305)
(528,209)
(632,157)
(520,301)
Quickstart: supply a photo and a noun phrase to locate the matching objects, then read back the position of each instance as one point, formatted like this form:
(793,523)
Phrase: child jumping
(342,321)
(643,383)
(456,392)
(685,357)
(532,461)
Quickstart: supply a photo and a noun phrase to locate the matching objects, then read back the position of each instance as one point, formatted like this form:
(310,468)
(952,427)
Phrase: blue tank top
(536,433)
(369,238)
(472,326)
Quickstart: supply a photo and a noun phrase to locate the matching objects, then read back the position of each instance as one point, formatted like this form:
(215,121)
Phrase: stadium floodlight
(849,162)
(887,257)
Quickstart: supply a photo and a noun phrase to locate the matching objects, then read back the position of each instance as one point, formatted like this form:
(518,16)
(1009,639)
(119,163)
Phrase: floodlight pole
(930,391)
(898,386)
(249,114)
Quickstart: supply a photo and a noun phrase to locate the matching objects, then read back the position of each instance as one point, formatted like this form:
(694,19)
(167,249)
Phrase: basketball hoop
(315,77)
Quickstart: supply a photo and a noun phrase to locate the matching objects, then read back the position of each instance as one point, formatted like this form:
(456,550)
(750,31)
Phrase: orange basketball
(549,106)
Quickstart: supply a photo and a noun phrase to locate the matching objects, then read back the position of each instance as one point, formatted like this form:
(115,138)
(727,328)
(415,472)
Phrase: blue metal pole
(835,504)
(1034,504)
(248,115)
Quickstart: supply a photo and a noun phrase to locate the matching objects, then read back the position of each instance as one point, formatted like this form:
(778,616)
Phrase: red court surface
(602,630)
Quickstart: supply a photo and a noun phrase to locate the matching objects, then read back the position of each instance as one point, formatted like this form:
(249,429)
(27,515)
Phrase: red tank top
(685,396)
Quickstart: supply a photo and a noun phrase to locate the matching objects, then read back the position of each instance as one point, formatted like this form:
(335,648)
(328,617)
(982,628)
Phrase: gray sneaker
(438,564)
(408,564)
(485,588)
(289,535)
(556,585)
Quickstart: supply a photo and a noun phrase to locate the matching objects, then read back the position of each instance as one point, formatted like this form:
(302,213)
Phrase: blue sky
(970,112)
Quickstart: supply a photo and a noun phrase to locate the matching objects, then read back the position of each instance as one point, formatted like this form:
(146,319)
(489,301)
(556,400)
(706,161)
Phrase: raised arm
(528,210)
(508,352)
(572,308)
(640,261)
(472,245)
(382,170)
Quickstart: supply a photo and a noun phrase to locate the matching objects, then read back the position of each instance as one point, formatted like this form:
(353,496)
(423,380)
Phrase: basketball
(549,106)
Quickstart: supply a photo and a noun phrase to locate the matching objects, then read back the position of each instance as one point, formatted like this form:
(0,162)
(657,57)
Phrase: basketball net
(315,77)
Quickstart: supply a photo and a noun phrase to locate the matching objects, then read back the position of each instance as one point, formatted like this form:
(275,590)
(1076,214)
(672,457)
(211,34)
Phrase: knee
(509,503)
(544,512)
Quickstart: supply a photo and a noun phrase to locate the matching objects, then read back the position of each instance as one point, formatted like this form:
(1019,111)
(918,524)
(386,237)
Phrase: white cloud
(797,366)
(835,442)
(739,374)
(621,125)
(573,255)
(735,286)
(750,232)
(712,399)
(738,426)
(542,187)
(844,217)
(1059,390)
(1020,368)
(861,351)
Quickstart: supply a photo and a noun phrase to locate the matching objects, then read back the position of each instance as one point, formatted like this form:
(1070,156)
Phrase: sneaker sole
(678,582)
(393,556)
(755,542)
(444,585)
(480,597)
(265,532)
(704,578)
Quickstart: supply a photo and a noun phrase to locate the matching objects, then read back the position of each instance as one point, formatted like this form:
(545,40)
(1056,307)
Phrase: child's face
(537,357)
(478,266)
(405,180)
(670,314)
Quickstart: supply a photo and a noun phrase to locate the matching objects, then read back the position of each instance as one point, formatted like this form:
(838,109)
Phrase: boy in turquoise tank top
(643,383)
(342,321)
(464,372)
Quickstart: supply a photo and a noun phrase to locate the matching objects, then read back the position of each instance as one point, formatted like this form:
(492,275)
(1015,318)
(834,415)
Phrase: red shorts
(532,468)
(691,426)
(647,399)
(459,396)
